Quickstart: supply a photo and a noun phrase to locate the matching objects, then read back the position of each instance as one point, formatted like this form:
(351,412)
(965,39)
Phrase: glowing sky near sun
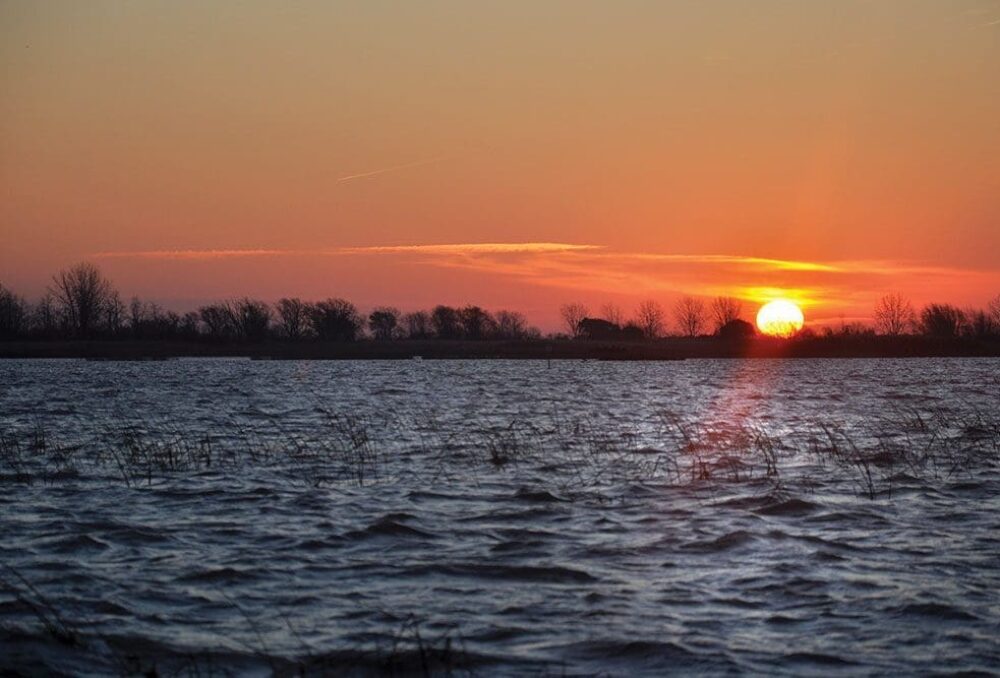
(505,153)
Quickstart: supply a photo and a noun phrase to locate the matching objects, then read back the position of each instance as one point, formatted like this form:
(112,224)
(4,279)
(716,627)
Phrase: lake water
(493,517)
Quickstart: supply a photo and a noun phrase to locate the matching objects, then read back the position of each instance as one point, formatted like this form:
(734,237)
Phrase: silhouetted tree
(978,324)
(114,313)
(736,330)
(994,310)
(854,329)
(510,325)
(147,319)
(45,316)
(383,322)
(446,323)
(293,318)
(83,295)
(418,325)
(136,316)
(476,323)
(253,318)
(14,314)
(689,314)
(725,310)
(188,325)
(335,320)
(649,316)
(170,324)
(894,315)
(941,320)
(572,314)
(219,321)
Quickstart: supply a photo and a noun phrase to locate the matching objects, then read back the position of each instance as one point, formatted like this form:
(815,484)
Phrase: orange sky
(825,151)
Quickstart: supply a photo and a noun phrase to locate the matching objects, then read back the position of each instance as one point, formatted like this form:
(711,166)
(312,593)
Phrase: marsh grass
(910,444)
(575,455)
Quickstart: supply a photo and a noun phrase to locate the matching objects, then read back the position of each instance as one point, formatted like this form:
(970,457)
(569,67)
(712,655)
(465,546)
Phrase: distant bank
(673,348)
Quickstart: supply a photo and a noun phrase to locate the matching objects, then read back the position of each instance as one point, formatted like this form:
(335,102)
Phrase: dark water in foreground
(795,517)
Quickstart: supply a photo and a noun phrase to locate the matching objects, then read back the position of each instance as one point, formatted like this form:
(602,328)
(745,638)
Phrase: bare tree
(136,316)
(572,314)
(689,313)
(649,316)
(253,318)
(994,309)
(383,322)
(293,317)
(446,323)
(335,320)
(148,319)
(476,323)
(613,314)
(978,324)
(45,317)
(510,325)
(188,325)
(219,320)
(941,320)
(114,313)
(82,294)
(725,310)
(14,313)
(418,324)
(894,315)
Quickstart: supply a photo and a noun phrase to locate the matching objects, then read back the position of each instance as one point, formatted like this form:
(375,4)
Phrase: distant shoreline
(673,348)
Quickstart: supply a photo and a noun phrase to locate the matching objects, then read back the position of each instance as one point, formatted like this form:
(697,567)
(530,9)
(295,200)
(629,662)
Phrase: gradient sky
(610,151)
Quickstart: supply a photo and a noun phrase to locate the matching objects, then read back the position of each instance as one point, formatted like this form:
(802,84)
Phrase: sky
(509,154)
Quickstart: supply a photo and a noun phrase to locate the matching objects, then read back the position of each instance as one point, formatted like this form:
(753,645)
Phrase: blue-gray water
(797,517)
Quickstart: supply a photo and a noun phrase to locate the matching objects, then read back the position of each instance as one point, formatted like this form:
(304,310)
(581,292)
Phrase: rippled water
(798,517)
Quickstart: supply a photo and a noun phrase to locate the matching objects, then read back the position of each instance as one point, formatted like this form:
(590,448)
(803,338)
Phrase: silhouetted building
(737,329)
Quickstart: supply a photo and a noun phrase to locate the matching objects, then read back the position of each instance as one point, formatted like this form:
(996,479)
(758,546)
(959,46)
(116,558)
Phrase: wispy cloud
(473,248)
(780,264)
(588,269)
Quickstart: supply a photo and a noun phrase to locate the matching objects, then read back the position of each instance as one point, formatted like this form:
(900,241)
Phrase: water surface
(796,517)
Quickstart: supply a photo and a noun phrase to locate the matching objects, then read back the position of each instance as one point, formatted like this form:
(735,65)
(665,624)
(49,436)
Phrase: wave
(552,574)
(723,543)
(935,611)
(388,526)
(789,507)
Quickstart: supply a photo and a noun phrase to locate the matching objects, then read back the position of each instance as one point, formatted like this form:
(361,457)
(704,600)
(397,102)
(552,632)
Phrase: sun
(780,318)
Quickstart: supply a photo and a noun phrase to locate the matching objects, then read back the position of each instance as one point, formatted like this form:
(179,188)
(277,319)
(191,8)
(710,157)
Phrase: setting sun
(780,318)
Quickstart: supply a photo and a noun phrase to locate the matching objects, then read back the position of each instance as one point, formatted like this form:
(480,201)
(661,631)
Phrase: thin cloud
(472,248)
(781,264)
(588,268)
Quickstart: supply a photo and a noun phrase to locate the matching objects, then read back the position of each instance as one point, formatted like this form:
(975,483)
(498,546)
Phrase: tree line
(893,316)
(82,303)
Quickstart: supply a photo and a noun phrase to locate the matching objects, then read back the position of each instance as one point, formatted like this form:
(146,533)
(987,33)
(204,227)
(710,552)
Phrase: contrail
(386,170)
